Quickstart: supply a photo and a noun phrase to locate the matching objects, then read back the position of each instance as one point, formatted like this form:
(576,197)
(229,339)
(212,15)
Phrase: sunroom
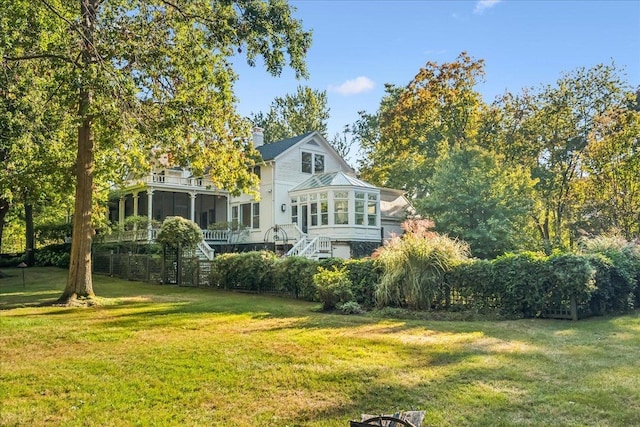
(338,205)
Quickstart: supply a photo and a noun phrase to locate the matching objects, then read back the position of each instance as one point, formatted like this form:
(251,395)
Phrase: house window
(359,208)
(341,207)
(314,213)
(307,161)
(247,215)
(312,163)
(313,198)
(372,209)
(256,215)
(294,210)
(234,217)
(324,209)
(257,171)
(318,163)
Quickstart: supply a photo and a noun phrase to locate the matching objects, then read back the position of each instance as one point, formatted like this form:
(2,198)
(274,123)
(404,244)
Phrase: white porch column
(149,214)
(121,213)
(135,208)
(192,214)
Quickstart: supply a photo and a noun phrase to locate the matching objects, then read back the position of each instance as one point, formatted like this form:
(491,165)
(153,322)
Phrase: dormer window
(312,163)
(306,162)
(318,162)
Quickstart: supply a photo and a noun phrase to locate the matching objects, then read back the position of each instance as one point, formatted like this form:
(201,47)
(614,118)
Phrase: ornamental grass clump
(414,266)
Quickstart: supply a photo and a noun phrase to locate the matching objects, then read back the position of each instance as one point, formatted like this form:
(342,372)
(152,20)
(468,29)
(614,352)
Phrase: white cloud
(352,87)
(482,5)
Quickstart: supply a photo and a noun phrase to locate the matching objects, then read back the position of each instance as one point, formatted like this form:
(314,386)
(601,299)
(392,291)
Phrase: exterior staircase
(314,247)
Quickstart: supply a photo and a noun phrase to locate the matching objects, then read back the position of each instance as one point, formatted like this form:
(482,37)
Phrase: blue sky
(358,46)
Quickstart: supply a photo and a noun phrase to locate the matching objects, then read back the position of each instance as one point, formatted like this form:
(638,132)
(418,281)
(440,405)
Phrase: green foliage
(295,275)
(332,286)
(54,255)
(53,232)
(489,208)
(139,222)
(364,275)
(350,307)
(572,276)
(222,225)
(438,110)
(143,77)
(177,231)
(617,264)
(224,271)
(471,283)
(521,282)
(293,115)
(246,270)
(414,268)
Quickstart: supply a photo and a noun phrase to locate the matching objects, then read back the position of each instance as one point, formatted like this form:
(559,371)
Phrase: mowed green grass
(155,355)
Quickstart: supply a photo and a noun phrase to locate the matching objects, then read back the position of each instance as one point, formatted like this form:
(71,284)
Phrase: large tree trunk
(30,234)
(80,284)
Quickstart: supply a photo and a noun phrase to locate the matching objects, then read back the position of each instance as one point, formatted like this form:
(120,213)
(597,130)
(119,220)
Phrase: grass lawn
(163,355)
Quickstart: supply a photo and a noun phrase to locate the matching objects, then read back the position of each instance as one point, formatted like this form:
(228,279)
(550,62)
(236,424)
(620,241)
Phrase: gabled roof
(332,179)
(272,150)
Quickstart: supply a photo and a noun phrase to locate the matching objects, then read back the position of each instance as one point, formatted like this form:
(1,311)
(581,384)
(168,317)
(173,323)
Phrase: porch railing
(216,235)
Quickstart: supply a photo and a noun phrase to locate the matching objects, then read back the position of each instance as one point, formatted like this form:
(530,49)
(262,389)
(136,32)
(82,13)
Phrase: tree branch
(39,56)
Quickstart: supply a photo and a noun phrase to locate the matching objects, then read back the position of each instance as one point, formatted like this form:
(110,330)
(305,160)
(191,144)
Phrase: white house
(311,203)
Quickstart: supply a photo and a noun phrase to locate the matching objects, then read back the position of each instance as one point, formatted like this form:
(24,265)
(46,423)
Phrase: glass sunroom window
(359,208)
(324,209)
(341,207)
(372,209)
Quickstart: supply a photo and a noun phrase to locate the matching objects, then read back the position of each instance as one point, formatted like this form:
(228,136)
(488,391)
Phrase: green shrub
(350,307)
(223,271)
(332,286)
(177,231)
(472,286)
(255,270)
(294,275)
(618,273)
(248,270)
(53,232)
(572,276)
(54,255)
(364,275)
(521,282)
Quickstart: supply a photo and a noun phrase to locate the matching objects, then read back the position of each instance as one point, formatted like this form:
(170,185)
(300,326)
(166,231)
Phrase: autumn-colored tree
(435,113)
(149,74)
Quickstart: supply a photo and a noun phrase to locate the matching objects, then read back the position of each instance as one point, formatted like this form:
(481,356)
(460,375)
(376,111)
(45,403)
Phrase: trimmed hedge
(535,285)
(262,271)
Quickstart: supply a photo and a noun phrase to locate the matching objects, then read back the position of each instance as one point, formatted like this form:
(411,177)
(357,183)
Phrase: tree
(33,128)
(435,113)
(149,74)
(611,188)
(294,114)
(476,199)
(548,132)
